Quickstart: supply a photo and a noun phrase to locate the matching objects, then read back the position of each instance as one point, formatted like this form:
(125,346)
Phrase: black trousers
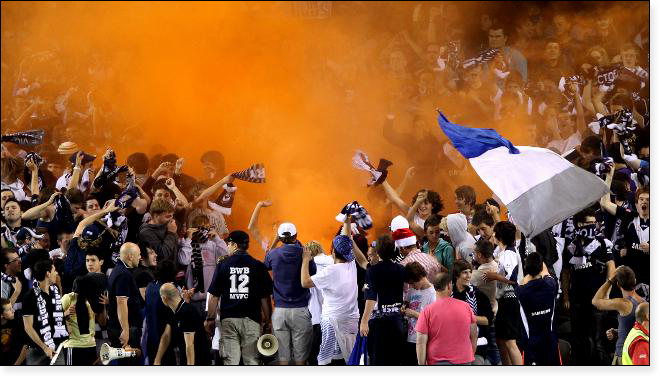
(79,356)
(588,335)
(316,345)
(385,341)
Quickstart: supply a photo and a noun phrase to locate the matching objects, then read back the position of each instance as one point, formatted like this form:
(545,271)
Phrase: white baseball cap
(286,227)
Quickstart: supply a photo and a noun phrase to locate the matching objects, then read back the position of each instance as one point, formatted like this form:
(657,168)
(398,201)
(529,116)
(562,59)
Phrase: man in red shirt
(446,329)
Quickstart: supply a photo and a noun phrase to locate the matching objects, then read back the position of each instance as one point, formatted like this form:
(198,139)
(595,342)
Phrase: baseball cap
(286,229)
(238,237)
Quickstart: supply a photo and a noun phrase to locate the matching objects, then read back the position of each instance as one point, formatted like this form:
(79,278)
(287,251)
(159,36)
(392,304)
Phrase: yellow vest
(626,360)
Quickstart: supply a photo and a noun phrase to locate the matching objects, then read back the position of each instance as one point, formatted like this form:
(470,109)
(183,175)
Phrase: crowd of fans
(140,255)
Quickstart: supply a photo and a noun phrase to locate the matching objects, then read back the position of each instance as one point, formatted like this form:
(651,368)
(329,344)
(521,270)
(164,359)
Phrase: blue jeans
(493,352)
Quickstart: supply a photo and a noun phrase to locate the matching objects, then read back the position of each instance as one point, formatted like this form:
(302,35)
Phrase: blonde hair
(315,247)
(160,206)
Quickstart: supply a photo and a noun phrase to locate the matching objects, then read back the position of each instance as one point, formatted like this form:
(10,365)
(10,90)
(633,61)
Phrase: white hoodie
(461,239)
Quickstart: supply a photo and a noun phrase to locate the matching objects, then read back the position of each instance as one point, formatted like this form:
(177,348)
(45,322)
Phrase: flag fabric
(27,138)
(538,186)
(254,174)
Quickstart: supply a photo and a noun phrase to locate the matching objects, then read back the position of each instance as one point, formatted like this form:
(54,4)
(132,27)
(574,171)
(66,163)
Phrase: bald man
(124,322)
(189,323)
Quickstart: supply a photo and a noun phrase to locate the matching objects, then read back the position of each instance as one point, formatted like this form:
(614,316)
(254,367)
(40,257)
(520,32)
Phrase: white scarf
(580,258)
(643,235)
(16,188)
(46,330)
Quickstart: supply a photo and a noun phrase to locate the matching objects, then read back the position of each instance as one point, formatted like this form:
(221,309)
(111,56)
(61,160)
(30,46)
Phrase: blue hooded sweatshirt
(285,262)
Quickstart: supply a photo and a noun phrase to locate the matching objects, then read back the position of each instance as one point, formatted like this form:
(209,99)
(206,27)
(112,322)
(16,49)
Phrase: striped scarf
(470,296)
(50,333)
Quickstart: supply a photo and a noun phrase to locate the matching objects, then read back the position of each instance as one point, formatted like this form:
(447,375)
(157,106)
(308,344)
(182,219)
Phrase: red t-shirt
(447,324)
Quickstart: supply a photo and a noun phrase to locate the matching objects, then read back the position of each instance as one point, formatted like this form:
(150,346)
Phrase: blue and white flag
(538,186)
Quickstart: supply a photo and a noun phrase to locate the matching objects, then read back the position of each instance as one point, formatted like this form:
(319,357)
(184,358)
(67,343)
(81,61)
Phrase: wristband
(210,319)
(612,281)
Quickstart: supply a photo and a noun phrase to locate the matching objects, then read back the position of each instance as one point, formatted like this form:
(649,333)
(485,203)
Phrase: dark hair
(484,247)
(581,217)
(619,189)
(441,281)
(414,272)
(433,220)
(241,238)
(625,278)
(160,184)
(459,266)
(493,202)
(11,199)
(144,252)
(534,264)
(44,194)
(41,268)
(385,247)
(155,161)
(94,251)
(467,193)
(170,157)
(139,162)
(4,257)
(433,198)
(498,26)
(505,232)
(591,143)
(7,190)
(481,216)
(75,196)
(289,239)
(641,191)
(165,271)
(215,157)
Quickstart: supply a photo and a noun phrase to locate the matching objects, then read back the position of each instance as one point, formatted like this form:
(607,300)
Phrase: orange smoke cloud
(254,82)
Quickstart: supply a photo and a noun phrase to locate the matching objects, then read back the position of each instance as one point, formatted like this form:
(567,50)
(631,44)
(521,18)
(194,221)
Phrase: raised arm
(394,197)
(208,192)
(305,278)
(421,197)
(605,201)
(169,183)
(75,176)
(94,217)
(253,226)
(35,212)
(34,178)
(357,253)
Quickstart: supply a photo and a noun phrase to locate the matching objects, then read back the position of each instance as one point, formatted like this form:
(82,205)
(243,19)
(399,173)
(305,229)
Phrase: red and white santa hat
(404,237)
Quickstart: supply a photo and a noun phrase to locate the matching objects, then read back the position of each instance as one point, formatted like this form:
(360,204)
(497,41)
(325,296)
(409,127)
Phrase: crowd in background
(131,251)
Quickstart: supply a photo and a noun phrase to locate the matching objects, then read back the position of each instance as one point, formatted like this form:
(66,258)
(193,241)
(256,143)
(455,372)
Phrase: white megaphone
(109,354)
(267,345)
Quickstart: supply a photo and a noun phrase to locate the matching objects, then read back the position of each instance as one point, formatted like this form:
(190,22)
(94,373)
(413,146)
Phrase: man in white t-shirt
(338,283)
(416,298)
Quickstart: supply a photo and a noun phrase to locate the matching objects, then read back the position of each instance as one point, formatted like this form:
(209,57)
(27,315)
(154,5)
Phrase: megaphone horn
(267,345)
(109,354)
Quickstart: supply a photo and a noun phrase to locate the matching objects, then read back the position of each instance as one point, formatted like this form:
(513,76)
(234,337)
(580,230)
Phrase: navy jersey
(384,284)
(537,311)
(241,282)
